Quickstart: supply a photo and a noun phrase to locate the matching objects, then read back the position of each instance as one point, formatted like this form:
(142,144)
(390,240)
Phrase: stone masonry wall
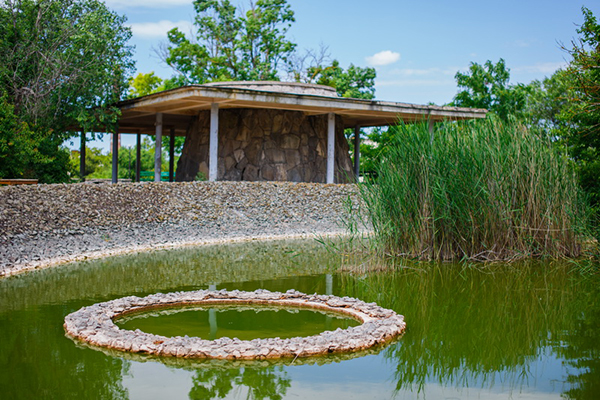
(265,145)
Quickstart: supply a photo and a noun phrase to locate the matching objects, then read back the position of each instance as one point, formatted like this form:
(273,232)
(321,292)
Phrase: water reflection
(527,330)
(493,328)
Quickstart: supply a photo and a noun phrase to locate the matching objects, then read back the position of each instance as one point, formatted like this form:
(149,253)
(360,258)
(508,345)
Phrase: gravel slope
(44,225)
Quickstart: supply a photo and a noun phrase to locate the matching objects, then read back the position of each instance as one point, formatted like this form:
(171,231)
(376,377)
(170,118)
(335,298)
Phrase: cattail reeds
(482,190)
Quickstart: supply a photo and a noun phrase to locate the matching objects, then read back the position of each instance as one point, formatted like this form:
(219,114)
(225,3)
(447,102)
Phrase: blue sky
(416,46)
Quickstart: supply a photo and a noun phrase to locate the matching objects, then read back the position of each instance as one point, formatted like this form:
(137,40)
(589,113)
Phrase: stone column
(138,156)
(115,156)
(357,152)
(158,147)
(213,143)
(172,155)
(82,157)
(330,146)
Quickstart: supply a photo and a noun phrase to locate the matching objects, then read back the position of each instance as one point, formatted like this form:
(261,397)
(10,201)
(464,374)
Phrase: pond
(520,331)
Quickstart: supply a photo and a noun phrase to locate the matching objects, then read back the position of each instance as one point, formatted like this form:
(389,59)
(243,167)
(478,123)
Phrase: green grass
(483,190)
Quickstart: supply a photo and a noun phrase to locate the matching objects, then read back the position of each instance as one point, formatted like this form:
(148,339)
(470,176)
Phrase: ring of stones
(94,325)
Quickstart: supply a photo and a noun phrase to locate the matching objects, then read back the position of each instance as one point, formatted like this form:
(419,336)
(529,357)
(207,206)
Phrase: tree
(229,45)
(144,84)
(546,100)
(583,139)
(19,144)
(487,86)
(63,63)
(355,82)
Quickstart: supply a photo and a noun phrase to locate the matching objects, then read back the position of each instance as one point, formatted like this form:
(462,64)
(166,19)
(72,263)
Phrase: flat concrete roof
(177,105)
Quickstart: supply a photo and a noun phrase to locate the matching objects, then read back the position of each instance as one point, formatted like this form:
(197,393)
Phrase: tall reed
(487,190)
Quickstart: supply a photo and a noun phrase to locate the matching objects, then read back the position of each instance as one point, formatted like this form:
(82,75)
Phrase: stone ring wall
(95,326)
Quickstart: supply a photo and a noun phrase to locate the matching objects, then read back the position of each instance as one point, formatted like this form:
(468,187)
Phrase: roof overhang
(177,105)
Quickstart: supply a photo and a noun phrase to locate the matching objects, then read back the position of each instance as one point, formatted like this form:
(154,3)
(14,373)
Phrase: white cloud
(416,82)
(412,72)
(146,3)
(385,57)
(541,68)
(522,43)
(158,29)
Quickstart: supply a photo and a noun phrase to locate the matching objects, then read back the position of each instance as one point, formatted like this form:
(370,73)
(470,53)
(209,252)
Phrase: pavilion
(264,130)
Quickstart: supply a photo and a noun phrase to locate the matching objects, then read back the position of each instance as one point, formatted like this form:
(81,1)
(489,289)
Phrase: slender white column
(115,156)
(330,146)
(213,152)
(357,152)
(431,126)
(82,157)
(138,156)
(158,147)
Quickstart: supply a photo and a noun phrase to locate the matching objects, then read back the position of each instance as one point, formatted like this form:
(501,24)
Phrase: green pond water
(235,322)
(526,331)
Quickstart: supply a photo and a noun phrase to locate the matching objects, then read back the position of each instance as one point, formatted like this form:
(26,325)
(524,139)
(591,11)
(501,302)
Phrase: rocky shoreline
(46,225)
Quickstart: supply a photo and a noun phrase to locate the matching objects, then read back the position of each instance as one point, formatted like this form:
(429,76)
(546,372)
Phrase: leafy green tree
(99,165)
(229,45)
(546,101)
(487,86)
(63,62)
(94,160)
(19,144)
(355,82)
(144,84)
(583,110)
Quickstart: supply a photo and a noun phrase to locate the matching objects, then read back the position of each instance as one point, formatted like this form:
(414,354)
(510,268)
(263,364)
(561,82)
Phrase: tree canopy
(583,108)
(487,86)
(63,62)
(231,45)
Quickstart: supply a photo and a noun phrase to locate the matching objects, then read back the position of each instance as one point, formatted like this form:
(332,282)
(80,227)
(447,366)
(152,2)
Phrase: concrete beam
(330,147)
(213,152)
(158,147)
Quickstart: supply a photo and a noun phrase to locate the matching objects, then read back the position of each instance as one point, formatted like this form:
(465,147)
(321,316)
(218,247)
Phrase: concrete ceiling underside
(179,105)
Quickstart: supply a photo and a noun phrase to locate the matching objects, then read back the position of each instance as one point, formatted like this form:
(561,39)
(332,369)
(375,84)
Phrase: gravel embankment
(44,225)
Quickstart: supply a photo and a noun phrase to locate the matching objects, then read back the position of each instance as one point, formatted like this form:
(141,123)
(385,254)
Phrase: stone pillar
(330,147)
(158,147)
(213,157)
(138,156)
(357,152)
(82,157)
(172,155)
(115,156)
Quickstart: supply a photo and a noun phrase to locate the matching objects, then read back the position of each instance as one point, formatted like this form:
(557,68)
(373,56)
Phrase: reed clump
(482,190)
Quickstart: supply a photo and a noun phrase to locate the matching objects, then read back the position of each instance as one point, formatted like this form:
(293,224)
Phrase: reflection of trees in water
(262,383)
(38,362)
(580,347)
(472,328)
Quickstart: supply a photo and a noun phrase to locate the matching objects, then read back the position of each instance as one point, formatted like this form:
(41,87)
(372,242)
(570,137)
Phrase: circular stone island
(95,326)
